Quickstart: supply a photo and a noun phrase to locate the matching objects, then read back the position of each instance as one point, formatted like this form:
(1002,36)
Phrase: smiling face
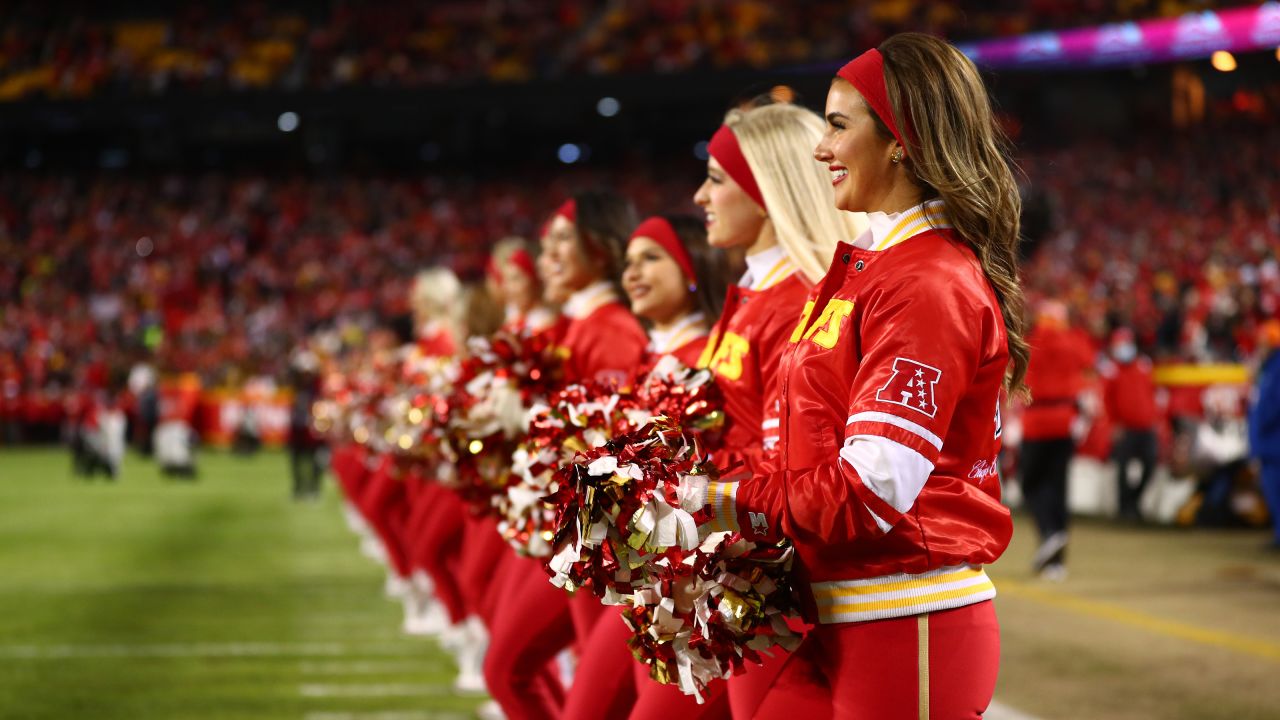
(518,289)
(567,267)
(655,284)
(733,218)
(858,155)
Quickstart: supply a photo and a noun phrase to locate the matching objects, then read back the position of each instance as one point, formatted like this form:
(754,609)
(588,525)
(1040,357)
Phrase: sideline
(1115,613)
(179,650)
(999,711)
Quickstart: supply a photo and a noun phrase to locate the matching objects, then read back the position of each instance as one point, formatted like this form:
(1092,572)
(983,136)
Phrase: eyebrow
(833,115)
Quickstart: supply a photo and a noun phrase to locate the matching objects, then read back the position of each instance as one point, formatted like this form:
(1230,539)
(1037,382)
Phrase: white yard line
(999,711)
(394,715)
(177,650)
(347,690)
(374,667)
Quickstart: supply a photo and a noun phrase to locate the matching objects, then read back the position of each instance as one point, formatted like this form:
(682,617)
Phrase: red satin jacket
(890,434)
(606,345)
(743,352)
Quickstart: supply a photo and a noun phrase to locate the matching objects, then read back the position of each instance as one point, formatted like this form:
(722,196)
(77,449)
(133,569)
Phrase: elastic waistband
(901,594)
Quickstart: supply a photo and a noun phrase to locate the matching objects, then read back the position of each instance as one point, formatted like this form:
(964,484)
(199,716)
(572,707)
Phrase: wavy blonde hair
(777,142)
(959,154)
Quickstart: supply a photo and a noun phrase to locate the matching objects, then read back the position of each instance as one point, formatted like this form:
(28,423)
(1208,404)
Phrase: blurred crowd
(60,51)
(1177,238)
(220,276)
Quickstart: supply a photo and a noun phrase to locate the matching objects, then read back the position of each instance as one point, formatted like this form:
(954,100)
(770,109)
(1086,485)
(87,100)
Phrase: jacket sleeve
(921,345)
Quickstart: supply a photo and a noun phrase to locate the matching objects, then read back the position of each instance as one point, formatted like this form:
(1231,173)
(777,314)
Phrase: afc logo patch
(911,385)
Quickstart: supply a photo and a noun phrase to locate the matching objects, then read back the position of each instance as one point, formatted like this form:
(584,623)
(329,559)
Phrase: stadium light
(287,122)
(569,153)
(1223,61)
(608,106)
(700,150)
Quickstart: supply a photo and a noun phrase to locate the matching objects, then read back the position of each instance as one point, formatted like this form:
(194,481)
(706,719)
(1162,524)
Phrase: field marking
(346,690)
(1169,628)
(389,715)
(374,667)
(1000,711)
(178,650)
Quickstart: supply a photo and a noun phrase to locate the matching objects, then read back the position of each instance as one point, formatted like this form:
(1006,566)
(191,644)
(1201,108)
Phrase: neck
(902,196)
(585,285)
(765,240)
(671,322)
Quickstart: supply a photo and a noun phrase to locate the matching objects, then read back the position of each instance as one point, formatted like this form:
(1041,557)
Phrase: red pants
(348,467)
(530,627)
(748,688)
(938,665)
(604,683)
(437,544)
(483,554)
(383,503)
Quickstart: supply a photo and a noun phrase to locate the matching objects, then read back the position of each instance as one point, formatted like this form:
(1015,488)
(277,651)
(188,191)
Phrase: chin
(722,243)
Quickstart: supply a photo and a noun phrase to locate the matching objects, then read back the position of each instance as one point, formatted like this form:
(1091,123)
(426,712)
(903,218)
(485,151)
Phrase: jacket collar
(767,268)
(687,329)
(589,299)
(884,230)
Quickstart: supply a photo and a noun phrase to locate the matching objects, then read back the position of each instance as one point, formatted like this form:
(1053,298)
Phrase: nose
(629,274)
(821,153)
(701,197)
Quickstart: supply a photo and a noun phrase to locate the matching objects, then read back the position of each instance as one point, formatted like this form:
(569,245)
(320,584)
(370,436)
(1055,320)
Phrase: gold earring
(896,157)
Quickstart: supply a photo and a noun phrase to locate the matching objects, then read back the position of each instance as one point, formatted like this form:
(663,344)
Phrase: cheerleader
(513,276)
(890,387)
(675,282)
(763,193)
(383,500)
(582,252)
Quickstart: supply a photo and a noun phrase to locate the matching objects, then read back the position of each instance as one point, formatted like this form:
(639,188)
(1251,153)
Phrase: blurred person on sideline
(142,384)
(1264,421)
(1129,392)
(1060,358)
(305,444)
(1220,456)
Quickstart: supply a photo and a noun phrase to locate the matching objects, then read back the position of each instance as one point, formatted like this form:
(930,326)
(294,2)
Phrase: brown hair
(709,264)
(958,154)
(604,222)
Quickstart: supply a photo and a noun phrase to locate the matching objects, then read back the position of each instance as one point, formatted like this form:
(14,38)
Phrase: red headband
(725,149)
(660,231)
(523,260)
(518,257)
(866,74)
(568,211)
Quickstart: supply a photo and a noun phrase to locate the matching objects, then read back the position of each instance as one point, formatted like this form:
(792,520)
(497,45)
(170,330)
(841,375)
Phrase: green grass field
(151,598)
(221,598)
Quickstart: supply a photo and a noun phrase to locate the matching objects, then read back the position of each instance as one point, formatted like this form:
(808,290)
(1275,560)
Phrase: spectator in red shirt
(1130,397)
(1060,357)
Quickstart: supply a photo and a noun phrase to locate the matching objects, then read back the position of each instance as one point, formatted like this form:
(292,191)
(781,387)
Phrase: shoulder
(932,268)
(612,318)
(782,300)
